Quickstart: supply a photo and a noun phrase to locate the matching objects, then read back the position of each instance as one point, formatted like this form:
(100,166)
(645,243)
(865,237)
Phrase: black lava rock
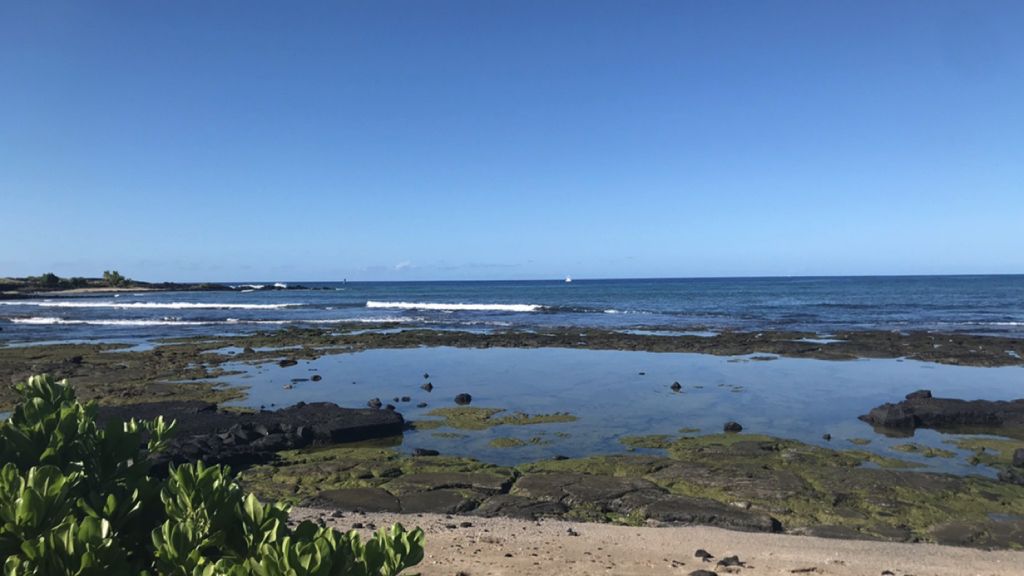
(676,386)
(316,378)
(463,399)
(287,362)
(732,427)
(375,403)
(428,386)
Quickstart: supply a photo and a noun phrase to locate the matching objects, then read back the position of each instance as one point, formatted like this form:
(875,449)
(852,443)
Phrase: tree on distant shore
(49,279)
(113,278)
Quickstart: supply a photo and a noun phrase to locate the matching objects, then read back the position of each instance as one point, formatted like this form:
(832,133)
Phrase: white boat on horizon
(568,279)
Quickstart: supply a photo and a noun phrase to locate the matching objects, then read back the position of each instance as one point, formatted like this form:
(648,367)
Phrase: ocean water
(976,304)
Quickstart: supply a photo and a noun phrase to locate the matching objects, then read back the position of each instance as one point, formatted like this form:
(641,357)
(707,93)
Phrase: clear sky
(247,140)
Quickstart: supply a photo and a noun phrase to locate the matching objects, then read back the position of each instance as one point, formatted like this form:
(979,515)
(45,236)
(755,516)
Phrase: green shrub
(77,499)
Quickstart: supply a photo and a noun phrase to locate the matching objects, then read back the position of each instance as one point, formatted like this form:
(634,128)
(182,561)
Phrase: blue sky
(236,140)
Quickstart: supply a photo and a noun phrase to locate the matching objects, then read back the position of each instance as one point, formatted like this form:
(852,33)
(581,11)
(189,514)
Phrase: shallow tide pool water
(620,393)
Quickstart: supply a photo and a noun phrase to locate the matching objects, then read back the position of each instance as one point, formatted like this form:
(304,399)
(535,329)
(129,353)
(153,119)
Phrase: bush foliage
(77,499)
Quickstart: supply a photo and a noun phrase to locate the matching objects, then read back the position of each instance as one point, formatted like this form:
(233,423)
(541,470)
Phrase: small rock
(465,524)
(421,405)
(642,373)
(703,555)
(396,399)
(337,514)
(826,437)
(287,362)
(406,399)
(919,395)
(375,403)
(571,532)
(428,386)
(425,452)
(463,399)
(731,561)
(732,427)
(676,386)
(703,573)
(390,407)
(316,377)
(426,376)
(248,350)
(357,525)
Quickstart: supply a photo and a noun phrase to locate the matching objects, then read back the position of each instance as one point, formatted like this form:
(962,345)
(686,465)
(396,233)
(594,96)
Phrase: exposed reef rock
(237,438)
(921,410)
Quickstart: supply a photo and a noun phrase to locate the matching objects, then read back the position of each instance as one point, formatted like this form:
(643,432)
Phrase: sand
(500,546)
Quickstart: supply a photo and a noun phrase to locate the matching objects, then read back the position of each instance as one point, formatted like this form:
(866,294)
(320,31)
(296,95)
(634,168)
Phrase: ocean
(992,305)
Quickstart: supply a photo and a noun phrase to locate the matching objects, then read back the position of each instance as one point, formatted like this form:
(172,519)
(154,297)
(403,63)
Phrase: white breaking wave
(149,305)
(118,322)
(50,320)
(452,307)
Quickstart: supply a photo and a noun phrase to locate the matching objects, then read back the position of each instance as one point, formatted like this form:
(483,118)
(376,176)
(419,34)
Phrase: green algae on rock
(926,451)
(506,442)
(477,418)
(734,480)
(989,450)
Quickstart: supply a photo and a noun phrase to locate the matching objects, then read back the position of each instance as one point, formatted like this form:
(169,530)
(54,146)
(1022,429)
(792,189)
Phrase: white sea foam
(116,322)
(454,307)
(51,320)
(148,305)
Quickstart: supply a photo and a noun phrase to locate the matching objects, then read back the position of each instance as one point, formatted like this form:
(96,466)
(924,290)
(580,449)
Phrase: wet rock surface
(203,432)
(737,481)
(921,410)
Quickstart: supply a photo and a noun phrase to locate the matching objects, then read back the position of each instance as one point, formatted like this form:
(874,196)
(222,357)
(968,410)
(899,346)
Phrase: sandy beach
(501,546)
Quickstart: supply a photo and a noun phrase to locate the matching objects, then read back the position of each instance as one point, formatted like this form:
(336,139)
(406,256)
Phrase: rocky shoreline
(26,288)
(184,367)
(324,455)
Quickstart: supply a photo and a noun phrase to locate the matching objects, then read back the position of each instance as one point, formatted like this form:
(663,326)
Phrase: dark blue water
(977,304)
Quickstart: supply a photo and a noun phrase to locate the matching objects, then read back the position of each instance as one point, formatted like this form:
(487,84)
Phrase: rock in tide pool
(732,427)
